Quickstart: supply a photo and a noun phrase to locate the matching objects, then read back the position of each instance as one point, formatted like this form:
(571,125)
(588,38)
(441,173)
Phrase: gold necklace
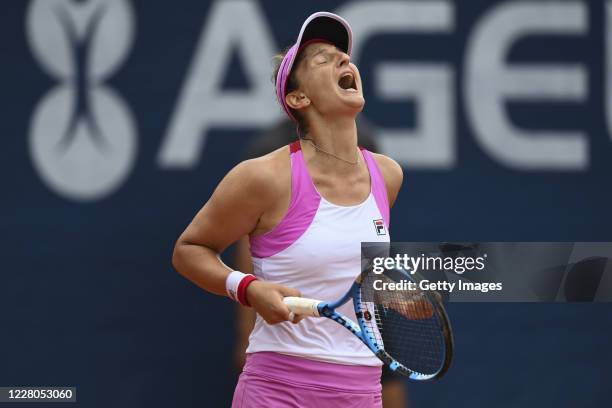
(333,155)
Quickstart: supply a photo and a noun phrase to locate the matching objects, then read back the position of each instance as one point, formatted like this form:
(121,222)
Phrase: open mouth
(347,82)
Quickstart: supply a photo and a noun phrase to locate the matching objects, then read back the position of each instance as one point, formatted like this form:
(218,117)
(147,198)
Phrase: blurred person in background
(306,208)
(283,133)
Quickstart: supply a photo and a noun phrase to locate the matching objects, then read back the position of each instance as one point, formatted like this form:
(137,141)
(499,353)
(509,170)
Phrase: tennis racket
(408,330)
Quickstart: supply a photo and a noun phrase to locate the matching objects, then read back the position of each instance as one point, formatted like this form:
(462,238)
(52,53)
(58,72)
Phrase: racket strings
(406,324)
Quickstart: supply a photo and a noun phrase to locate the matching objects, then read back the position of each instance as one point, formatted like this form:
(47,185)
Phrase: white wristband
(232,282)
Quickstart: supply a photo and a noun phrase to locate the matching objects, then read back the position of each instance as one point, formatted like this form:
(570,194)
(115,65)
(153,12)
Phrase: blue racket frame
(365,334)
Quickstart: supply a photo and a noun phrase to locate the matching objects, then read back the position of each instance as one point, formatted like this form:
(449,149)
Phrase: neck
(337,136)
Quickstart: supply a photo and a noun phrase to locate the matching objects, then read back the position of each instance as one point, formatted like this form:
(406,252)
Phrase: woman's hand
(413,309)
(267,300)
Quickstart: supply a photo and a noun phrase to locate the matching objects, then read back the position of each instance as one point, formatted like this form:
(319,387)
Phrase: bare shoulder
(256,185)
(262,176)
(251,186)
(248,190)
(270,169)
(388,166)
(392,173)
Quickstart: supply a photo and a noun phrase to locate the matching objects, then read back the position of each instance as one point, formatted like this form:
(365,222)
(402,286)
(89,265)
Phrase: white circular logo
(82,135)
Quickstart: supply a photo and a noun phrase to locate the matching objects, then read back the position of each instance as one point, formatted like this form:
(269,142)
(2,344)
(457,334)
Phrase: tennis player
(306,208)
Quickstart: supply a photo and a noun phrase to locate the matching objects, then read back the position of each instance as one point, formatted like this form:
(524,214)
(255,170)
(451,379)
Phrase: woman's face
(330,81)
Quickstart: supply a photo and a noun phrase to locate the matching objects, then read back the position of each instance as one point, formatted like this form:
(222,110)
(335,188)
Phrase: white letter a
(202,104)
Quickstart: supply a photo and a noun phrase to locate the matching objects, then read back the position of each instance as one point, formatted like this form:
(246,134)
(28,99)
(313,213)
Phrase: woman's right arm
(232,211)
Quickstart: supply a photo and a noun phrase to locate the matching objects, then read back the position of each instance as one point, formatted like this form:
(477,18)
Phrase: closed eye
(321,56)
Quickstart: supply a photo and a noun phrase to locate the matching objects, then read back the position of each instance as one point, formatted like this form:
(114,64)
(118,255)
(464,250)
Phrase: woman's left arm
(392,173)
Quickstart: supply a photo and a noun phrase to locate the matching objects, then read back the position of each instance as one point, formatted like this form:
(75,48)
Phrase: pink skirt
(273,380)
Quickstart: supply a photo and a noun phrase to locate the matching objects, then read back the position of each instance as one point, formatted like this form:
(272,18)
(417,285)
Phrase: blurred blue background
(120,117)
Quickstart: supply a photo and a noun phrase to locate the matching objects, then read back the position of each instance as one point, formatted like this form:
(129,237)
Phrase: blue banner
(120,117)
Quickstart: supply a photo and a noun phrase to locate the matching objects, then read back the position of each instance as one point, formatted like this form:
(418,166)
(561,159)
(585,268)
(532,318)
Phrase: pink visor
(319,27)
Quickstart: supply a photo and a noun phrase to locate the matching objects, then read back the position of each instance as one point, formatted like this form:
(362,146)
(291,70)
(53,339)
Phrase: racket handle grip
(302,306)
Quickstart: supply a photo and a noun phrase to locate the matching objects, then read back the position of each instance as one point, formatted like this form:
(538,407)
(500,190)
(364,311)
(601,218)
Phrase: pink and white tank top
(316,248)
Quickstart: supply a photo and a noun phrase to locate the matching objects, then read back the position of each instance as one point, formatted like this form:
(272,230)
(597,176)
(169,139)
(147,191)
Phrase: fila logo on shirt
(379,226)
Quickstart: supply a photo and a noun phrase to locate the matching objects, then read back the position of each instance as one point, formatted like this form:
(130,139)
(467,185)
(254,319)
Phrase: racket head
(408,330)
